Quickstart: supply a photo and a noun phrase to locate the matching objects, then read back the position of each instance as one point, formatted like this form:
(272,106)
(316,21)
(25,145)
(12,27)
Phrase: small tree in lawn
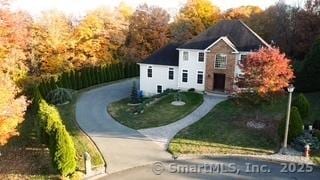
(266,73)
(134,94)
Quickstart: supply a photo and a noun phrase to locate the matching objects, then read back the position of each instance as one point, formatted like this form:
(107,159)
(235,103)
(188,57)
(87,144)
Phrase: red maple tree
(266,72)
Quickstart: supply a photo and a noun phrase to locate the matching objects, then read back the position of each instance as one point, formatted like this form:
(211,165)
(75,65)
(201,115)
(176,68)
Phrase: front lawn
(158,114)
(224,130)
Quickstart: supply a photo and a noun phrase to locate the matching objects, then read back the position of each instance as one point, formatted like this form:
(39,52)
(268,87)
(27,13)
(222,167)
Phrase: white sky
(79,7)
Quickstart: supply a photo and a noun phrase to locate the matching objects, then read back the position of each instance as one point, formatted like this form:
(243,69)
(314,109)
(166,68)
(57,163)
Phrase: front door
(219,82)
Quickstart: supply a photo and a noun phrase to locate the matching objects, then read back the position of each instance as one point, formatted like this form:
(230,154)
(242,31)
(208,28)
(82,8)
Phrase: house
(208,62)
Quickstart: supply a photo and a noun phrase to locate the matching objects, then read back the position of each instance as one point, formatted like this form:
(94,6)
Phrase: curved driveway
(122,147)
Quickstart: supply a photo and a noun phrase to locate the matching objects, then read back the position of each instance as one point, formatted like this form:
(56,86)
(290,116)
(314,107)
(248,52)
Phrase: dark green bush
(303,105)
(295,125)
(54,134)
(134,94)
(59,96)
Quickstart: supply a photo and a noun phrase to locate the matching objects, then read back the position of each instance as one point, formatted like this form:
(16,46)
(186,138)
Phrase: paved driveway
(121,146)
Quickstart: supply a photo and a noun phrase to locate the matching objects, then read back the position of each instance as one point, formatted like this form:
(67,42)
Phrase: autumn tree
(242,12)
(148,31)
(266,73)
(51,43)
(193,18)
(13,44)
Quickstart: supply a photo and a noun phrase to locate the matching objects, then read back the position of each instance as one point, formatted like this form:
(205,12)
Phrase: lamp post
(285,142)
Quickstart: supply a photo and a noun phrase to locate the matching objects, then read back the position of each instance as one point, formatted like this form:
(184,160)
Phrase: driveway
(122,147)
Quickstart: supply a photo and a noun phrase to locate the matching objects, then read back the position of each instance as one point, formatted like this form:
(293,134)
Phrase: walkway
(162,135)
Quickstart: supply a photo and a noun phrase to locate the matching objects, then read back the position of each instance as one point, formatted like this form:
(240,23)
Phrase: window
(221,61)
(171,73)
(201,57)
(149,71)
(200,77)
(184,76)
(242,58)
(159,89)
(185,55)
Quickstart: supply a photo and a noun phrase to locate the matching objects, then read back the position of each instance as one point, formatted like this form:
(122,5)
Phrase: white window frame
(184,71)
(198,73)
(199,57)
(171,70)
(215,61)
(185,55)
(240,60)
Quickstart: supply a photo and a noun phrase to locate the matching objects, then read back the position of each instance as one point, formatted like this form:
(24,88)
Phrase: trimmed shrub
(295,125)
(59,96)
(134,94)
(303,105)
(54,134)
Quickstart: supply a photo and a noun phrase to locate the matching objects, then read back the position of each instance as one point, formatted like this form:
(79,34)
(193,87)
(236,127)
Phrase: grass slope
(224,130)
(158,114)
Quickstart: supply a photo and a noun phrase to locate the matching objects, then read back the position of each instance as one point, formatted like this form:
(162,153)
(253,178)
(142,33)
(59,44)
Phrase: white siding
(193,66)
(160,76)
(237,68)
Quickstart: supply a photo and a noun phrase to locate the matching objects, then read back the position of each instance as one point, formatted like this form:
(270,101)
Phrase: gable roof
(167,55)
(241,36)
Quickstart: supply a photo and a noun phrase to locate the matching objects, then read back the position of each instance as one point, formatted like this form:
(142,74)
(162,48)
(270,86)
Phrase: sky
(79,7)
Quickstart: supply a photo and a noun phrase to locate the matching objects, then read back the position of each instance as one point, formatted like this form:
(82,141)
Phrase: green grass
(158,114)
(81,141)
(224,131)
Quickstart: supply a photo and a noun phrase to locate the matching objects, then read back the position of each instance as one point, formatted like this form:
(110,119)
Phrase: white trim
(255,34)
(158,65)
(202,72)
(227,41)
(197,50)
(215,59)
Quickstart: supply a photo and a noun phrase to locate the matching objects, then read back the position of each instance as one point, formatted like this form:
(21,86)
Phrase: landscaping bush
(55,135)
(191,90)
(59,96)
(295,125)
(306,138)
(134,94)
(303,105)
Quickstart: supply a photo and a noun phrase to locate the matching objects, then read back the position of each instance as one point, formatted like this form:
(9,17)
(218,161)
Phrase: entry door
(219,82)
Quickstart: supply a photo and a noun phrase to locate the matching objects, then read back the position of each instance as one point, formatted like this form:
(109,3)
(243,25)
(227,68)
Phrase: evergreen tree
(134,94)
(308,78)
(295,125)
(303,105)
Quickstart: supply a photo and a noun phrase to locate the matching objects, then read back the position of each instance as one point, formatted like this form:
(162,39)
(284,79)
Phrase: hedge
(89,76)
(52,132)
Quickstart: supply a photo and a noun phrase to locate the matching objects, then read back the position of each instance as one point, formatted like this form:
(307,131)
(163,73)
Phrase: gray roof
(236,31)
(167,55)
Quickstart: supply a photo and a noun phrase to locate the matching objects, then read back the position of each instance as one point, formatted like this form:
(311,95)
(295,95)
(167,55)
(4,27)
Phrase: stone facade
(223,48)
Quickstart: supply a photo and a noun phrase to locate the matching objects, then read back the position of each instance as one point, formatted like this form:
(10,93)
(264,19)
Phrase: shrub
(306,138)
(316,133)
(191,90)
(54,134)
(295,125)
(134,94)
(59,96)
(303,105)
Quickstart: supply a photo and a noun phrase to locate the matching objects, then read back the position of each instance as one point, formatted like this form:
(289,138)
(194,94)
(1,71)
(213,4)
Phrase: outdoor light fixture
(285,142)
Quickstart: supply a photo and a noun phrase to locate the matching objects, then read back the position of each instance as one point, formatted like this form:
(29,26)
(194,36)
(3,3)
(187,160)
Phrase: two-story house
(208,62)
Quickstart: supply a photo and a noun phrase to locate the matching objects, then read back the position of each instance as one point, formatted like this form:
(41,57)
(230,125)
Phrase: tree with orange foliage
(242,12)
(13,42)
(266,72)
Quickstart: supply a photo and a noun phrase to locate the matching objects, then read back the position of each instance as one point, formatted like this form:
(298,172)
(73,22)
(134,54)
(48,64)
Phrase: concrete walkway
(162,135)
(122,147)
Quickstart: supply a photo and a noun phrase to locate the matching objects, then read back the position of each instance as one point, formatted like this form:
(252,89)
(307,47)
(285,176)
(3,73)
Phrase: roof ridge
(254,33)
